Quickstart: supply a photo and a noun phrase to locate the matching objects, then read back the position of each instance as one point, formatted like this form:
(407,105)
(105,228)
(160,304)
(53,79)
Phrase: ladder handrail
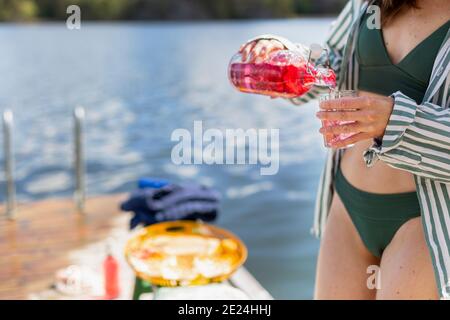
(80,185)
(79,161)
(8,123)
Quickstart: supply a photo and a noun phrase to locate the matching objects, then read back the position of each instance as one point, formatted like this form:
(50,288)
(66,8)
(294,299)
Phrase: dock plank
(38,243)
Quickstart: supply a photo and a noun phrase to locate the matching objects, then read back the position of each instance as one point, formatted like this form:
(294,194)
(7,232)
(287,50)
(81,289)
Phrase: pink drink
(111,274)
(267,79)
(333,138)
(285,74)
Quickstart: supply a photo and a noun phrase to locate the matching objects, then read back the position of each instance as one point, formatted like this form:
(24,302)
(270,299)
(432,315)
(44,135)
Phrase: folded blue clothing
(172,202)
(151,183)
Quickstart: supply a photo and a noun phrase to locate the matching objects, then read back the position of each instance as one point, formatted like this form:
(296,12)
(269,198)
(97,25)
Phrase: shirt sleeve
(417,139)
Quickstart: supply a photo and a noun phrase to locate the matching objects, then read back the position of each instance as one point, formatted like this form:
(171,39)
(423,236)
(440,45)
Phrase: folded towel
(157,202)
(151,183)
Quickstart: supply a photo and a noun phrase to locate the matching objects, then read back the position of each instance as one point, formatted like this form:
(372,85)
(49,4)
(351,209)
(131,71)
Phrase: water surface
(138,83)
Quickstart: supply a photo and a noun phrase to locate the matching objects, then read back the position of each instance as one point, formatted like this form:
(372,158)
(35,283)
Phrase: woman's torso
(412,28)
(380,178)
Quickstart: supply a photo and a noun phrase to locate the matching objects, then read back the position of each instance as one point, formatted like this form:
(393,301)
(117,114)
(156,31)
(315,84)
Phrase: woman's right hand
(258,50)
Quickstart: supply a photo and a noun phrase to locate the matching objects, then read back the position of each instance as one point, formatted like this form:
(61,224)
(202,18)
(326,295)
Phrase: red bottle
(285,73)
(111,274)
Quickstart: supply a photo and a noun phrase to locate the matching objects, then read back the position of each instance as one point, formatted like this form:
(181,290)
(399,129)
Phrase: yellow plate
(182,253)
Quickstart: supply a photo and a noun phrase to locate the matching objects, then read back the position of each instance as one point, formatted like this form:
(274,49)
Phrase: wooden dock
(49,235)
(38,243)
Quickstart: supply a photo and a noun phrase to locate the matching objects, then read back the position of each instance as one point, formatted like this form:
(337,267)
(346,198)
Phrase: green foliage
(90,9)
(25,10)
(18,10)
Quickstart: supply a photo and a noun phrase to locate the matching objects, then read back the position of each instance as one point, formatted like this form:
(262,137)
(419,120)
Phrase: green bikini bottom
(377,217)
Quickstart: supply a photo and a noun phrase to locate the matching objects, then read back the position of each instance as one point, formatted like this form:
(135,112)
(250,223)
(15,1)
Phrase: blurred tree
(220,9)
(302,7)
(19,10)
(91,9)
(280,8)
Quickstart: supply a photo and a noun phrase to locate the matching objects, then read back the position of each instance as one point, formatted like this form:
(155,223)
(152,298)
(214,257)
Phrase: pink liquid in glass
(333,138)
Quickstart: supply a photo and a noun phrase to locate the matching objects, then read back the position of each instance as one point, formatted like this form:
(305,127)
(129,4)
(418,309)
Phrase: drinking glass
(330,138)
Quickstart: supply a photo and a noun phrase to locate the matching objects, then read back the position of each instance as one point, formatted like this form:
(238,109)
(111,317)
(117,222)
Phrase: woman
(391,217)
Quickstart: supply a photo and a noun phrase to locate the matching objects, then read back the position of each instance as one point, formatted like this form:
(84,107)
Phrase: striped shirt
(417,138)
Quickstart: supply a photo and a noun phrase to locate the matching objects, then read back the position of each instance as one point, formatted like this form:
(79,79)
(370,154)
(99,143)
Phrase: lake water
(139,82)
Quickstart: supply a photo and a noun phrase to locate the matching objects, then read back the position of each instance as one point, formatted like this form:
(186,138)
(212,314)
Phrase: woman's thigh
(342,267)
(406,269)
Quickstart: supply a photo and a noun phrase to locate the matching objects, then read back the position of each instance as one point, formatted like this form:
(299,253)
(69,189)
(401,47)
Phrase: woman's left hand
(370,116)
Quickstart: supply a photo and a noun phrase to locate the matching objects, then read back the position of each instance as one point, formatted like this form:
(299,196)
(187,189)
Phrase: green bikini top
(378,74)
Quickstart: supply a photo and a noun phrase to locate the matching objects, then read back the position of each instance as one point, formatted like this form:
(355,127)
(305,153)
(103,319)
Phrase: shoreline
(173,21)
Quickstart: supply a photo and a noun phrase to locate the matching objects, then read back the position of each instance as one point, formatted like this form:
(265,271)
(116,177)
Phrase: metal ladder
(78,161)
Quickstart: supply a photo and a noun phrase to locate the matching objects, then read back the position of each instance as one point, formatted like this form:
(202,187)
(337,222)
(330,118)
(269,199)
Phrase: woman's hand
(259,50)
(370,116)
